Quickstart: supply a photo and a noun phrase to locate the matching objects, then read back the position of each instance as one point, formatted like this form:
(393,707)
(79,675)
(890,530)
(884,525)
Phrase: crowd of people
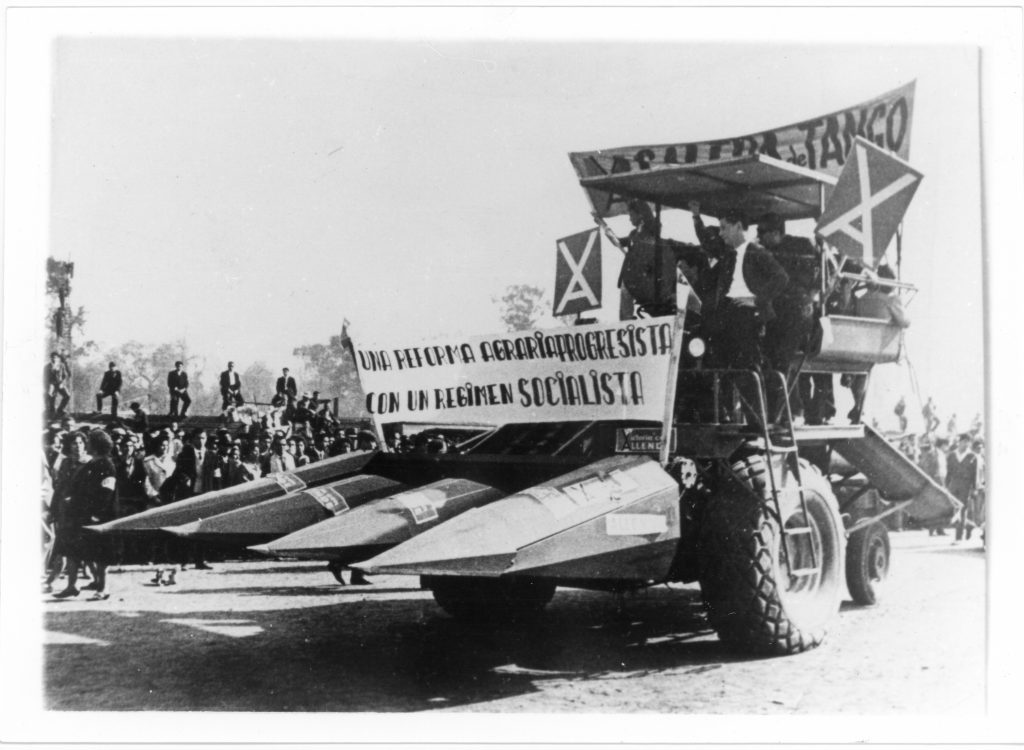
(94,473)
(954,460)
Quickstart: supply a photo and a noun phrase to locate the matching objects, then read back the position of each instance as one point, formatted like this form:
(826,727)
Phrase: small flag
(868,202)
(578,273)
(345,340)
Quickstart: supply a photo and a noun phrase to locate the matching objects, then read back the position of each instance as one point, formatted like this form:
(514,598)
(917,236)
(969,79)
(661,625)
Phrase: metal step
(804,571)
(799,530)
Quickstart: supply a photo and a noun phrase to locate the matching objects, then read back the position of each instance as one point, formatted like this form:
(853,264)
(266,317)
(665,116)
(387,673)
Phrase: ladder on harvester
(788,449)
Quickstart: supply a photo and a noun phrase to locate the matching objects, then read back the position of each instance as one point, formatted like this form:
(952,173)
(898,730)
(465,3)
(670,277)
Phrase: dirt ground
(283,636)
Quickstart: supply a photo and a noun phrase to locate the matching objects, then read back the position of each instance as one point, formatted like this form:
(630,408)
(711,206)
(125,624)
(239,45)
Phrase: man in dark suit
(747,279)
(177,386)
(56,376)
(197,471)
(794,308)
(140,419)
(197,467)
(961,481)
(286,388)
(230,388)
(109,386)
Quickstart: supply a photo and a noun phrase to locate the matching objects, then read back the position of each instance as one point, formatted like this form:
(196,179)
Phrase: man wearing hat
(794,306)
(961,481)
(109,386)
(177,386)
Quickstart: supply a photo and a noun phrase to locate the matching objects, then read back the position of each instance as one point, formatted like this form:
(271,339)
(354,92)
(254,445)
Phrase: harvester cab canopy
(755,185)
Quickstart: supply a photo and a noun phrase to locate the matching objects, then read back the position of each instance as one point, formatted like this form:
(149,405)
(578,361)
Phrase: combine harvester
(622,457)
(687,472)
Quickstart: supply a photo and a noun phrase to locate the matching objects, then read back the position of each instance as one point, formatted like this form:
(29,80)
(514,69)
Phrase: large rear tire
(490,599)
(867,563)
(753,601)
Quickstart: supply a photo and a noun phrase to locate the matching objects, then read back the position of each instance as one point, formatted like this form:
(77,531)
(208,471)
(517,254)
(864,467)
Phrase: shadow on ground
(376,654)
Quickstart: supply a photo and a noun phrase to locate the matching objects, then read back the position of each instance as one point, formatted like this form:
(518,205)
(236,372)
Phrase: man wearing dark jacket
(109,386)
(747,279)
(177,386)
(196,468)
(230,388)
(56,377)
(961,481)
(140,419)
(286,388)
(794,307)
(197,471)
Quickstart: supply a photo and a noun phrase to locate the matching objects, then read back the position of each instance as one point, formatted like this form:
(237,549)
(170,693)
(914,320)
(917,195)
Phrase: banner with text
(819,143)
(590,372)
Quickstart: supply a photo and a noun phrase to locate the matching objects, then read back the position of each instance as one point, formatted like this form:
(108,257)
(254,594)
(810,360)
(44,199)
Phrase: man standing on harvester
(790,330)
(748,279)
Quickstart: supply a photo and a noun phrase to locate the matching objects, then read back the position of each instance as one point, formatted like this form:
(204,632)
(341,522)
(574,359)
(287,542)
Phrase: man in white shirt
(230,388)
(748,279)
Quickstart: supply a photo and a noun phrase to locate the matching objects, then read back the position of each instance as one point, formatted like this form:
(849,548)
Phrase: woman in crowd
(73,457)
(159,468)
(235,471)
(301,452)
(91,499)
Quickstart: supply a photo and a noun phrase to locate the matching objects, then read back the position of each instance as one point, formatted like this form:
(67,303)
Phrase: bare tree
(329,368)
(259,383)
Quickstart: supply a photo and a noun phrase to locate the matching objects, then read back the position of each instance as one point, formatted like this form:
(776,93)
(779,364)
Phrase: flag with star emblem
(868,202)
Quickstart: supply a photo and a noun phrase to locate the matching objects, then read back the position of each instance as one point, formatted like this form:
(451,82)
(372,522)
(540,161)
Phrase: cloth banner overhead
(578,273)
(819,143)
(591,372)
(868,203)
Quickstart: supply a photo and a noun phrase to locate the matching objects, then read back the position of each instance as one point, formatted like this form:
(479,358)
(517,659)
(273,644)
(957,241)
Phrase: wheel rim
(878,560)
(804,553)
(809,589)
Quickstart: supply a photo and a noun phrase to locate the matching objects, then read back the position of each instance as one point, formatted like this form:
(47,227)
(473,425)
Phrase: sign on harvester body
(593,372)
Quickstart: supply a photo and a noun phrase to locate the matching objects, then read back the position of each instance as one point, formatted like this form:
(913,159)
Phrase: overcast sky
(249,194)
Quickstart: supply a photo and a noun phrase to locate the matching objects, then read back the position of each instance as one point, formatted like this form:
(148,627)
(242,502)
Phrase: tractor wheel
(754,599)
(490,599)
(867,563)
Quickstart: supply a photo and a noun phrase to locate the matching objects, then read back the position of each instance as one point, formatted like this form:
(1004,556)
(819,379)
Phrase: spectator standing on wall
(286,388)
(230,388)
(110,387)
(56,376)
(177,387)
